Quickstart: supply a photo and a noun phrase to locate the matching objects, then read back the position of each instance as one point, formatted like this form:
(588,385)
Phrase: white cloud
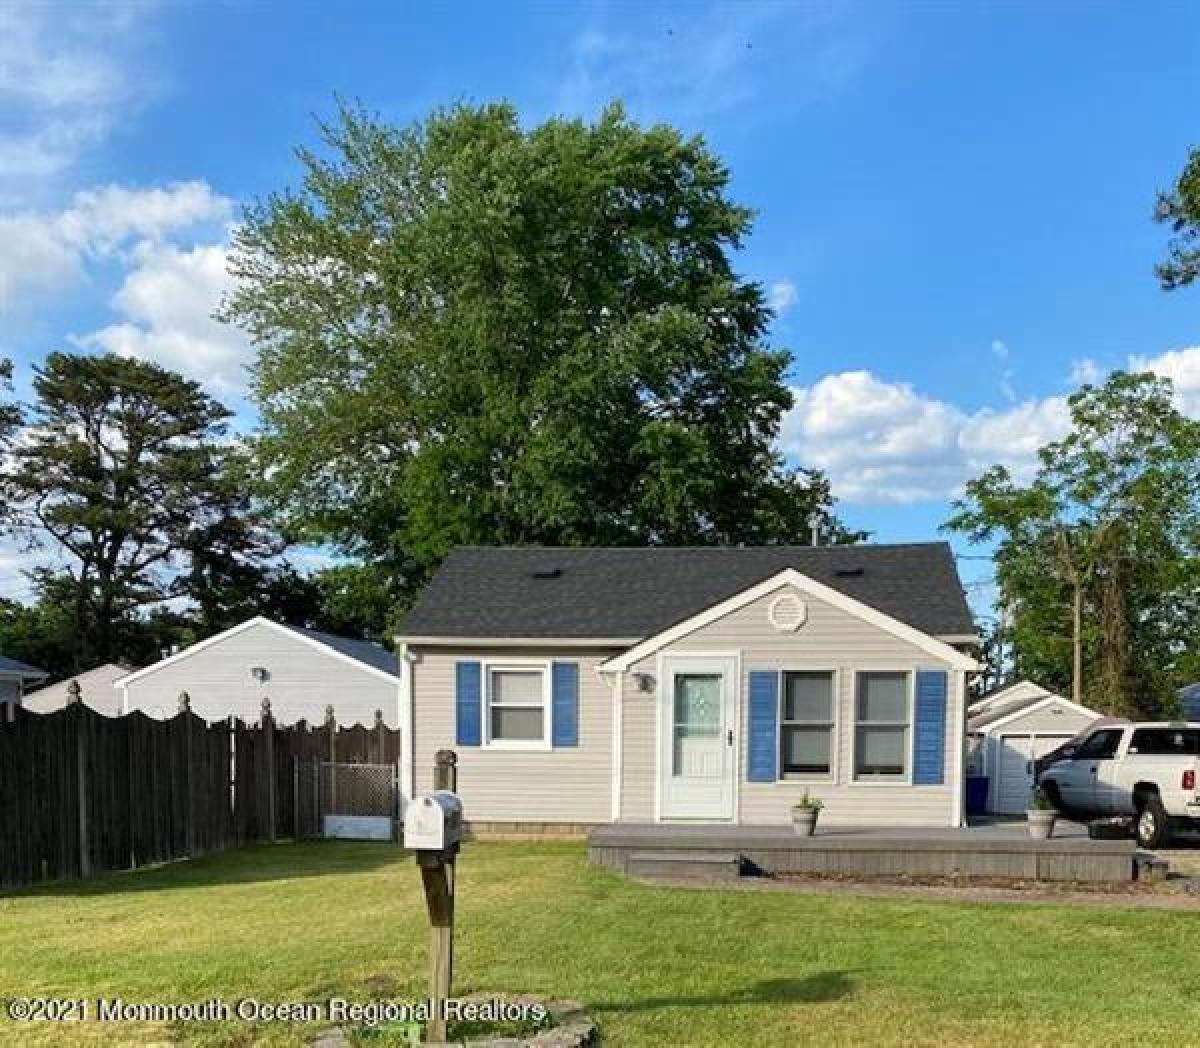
(884,442)
(694,63)
(1000,348)
(166,304)
(64,82)
(1182,367)
(1086,372)
(781,296)
(42,252)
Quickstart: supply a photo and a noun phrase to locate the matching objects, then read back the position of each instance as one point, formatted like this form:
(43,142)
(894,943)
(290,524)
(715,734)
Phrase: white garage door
(1013,776)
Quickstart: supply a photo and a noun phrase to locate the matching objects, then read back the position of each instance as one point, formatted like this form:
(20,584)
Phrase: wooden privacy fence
(81,792)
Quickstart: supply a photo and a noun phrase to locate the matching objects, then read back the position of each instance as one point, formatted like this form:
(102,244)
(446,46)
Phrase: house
(96,688)
(302,672)
(15,679)
(1010,729)
(588,686)
(1189,698)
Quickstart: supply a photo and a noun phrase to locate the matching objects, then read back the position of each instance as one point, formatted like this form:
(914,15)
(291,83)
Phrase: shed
(301,671)
(1011,728)
(96,688)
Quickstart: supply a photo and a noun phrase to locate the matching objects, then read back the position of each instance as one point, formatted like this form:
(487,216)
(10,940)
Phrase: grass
(296,922)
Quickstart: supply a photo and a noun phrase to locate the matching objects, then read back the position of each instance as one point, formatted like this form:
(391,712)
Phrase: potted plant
(804,814)
(1041,815)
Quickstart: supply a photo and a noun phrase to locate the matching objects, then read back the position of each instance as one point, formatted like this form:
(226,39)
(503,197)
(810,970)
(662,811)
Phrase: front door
(696,759)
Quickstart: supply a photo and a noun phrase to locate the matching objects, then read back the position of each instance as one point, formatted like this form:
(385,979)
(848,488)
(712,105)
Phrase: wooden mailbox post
(435,858)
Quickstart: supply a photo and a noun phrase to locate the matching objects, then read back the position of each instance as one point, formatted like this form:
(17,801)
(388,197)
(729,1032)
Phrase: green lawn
(656,965)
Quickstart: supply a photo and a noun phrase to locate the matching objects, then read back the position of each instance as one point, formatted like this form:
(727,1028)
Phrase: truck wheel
(1152,826)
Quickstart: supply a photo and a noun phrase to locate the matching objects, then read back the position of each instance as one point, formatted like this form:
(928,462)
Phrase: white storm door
(698,700)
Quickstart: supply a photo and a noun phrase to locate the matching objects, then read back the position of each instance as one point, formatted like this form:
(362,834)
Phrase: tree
(39,633)
(1180,209)
(10,412)
(470,332)
(10,420)
(126,473)
(1096,559)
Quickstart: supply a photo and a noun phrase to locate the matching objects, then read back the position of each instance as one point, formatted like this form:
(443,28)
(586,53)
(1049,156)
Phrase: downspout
(407,721)
(960,782)
(618,748)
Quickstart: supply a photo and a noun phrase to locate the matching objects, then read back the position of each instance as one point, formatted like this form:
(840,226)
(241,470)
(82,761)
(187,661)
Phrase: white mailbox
(434,822)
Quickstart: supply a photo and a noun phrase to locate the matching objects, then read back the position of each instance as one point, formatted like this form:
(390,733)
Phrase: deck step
(1149,867)
(685,862)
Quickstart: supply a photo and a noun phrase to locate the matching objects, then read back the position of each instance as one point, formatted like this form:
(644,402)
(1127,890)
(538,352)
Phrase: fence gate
(350,801)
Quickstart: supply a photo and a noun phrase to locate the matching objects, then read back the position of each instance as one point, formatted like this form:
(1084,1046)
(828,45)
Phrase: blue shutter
(564,684)
(929,759)
(764,714)
(468,704)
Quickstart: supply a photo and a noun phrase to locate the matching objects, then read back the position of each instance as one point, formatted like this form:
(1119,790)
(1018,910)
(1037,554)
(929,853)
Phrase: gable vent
(787,613)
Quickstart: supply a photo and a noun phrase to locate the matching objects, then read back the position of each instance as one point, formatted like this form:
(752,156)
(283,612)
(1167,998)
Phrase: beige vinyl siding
(570,784)
(639,767)
(303,680)
(830,639)
(1056,718)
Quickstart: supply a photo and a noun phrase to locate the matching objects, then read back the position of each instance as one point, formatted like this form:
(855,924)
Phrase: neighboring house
(1009,730)
(15,680)
(1189,697)
(301,671)
(95,687)
(586,686)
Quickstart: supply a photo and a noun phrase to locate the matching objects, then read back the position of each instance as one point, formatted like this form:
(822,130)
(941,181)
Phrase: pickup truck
(1148,771)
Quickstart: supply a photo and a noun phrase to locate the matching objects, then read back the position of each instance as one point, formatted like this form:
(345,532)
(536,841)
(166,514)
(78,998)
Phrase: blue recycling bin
(977,794)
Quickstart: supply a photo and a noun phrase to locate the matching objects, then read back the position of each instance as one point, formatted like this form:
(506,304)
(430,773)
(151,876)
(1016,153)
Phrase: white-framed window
(882,726)
(807,724)
(517,707)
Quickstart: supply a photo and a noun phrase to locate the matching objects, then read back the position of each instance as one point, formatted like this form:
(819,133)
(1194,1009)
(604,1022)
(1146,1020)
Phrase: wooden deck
(992,851)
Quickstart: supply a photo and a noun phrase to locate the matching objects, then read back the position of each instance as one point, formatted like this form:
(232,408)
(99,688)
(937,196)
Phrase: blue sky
(953,200)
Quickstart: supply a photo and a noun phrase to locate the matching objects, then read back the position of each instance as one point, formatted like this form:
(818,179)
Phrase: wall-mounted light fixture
(644,681)
(260,674)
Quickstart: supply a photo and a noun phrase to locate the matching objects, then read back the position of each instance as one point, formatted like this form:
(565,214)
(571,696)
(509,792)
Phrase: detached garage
(1008,730)
(301,671)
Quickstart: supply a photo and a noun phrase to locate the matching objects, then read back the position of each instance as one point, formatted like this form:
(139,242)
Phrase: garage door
(1015,755)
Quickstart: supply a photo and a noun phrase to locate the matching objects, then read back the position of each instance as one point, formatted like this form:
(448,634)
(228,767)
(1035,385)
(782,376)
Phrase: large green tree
(125,474)
(474,332)
(1180,209)
(1097,558)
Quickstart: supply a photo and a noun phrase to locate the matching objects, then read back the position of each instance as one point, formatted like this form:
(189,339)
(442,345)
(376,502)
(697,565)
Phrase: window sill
(881,780)
(518,747)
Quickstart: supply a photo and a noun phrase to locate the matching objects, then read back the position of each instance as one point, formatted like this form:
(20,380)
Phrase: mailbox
(434,823)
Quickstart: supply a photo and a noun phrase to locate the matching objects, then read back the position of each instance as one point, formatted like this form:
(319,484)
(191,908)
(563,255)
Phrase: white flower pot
(804,820)
(1041,823)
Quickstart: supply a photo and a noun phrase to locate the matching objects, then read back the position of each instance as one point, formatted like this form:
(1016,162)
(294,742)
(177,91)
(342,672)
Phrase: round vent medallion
(787,613)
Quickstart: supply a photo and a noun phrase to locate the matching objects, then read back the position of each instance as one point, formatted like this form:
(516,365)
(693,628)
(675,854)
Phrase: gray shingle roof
(587,592)
(982,720)
(14,668)
(361,650)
